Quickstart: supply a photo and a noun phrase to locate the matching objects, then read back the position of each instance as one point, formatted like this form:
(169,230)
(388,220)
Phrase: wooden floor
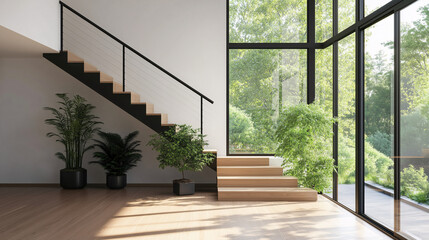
(150,213)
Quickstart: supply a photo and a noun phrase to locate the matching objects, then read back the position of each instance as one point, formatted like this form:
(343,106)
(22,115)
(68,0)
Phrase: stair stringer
(122,100)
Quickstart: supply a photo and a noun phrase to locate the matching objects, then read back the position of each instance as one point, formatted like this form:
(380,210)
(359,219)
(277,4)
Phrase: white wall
(27,155)
(38,20)
(187,37)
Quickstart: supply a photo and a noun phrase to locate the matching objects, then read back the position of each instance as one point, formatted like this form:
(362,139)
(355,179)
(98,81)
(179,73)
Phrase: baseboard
(29,185)
(206,187)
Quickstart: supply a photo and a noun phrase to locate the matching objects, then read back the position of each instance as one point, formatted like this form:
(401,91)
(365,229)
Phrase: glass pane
(324,77)
(379,202)
(346,121)
(414,137)
(261,83)
(253,21)
(346,14)
(323,20)
(372,5)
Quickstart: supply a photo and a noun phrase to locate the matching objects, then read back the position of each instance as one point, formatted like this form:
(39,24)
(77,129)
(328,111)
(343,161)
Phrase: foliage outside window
(254,21)
(261,84)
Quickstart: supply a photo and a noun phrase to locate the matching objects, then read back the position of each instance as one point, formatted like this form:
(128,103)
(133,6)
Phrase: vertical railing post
(201,114)
(123,67)
(61,28)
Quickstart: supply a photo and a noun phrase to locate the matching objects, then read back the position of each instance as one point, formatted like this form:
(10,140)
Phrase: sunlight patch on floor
(202,217)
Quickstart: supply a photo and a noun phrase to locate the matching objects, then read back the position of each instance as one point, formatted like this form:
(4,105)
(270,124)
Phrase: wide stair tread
(249,171)
(265,189)
(243,161)
(257,177)
(266,194)
(257,181)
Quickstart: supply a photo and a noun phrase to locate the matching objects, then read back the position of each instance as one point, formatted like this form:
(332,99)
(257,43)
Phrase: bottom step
(266,194)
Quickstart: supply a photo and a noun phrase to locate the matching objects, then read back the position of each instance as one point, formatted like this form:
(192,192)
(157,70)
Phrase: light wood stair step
(214,151)
(249,171)
(257,181)
(243,161)
(117,87)
(164,118)
(88,68)
(73,58)
(266,194)
(104,78)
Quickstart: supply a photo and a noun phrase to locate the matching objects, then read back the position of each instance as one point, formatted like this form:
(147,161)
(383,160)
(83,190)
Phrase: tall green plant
(181,147)
(304,134)
(117,155)
(75,125)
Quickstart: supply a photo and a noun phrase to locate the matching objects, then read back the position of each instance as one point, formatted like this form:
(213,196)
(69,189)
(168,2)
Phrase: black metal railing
(128,47)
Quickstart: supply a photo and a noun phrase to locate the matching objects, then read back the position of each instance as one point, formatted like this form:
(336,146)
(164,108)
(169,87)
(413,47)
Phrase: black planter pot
(116,182)
(73,178)
(183,187)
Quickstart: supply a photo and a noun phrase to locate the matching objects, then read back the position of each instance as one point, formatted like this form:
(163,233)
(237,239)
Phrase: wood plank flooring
(154,213)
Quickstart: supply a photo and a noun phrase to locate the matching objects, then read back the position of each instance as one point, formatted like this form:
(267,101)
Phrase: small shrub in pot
(117,155)
(181,147)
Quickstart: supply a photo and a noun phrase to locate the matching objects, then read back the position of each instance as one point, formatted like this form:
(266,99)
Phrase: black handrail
(130,48)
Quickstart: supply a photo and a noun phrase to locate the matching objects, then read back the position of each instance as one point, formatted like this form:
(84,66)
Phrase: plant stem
(183,174)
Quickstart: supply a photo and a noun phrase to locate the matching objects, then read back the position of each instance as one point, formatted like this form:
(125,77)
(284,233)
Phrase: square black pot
(183,187)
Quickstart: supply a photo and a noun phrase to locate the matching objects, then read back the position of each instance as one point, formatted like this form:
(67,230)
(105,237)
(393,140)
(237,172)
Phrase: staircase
(253,179)
(111,90)
(105,85)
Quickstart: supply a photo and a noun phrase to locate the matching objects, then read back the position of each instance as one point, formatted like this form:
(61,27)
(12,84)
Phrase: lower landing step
(266,194)
(257,181)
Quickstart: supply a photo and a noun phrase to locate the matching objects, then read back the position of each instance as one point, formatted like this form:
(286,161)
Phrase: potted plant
(117,156)
(182,148)
(304,132)
(75,126)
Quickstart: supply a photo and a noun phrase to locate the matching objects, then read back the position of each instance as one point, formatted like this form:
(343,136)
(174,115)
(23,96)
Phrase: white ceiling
(13,44)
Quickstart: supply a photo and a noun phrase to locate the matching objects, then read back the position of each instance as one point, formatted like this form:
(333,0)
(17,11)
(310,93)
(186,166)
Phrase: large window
(324,85)
(379,120)
(346,121)
(263,79)
(374,77)
(414,120)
